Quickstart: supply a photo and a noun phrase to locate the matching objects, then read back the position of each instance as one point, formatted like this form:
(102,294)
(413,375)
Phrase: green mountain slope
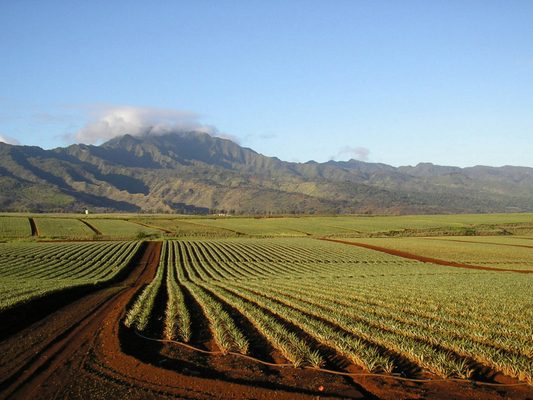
(196,173)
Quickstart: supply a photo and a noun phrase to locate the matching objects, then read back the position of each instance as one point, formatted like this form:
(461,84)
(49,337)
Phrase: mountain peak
(193,172)
(122,141)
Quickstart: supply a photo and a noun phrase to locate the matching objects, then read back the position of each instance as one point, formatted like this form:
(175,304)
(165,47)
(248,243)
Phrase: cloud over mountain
(8,139)
(107,122)
(359,153)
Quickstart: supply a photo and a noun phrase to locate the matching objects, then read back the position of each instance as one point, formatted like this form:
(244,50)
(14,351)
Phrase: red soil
(412,256)
(83,351)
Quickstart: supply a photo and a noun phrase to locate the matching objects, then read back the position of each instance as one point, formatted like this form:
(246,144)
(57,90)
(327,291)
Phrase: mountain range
(192,172)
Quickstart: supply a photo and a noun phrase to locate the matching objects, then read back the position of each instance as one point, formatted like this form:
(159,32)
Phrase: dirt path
(412,256)
(24,372)
(34,231)
(90,226)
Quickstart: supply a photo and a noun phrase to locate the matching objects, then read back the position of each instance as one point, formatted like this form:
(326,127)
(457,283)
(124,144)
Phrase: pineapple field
(160,307)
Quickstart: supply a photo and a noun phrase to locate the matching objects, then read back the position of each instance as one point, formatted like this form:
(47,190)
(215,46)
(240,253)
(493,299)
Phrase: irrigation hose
(329,371)
(214,353)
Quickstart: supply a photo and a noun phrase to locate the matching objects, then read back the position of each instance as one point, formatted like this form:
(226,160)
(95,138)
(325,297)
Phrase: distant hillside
(196,173)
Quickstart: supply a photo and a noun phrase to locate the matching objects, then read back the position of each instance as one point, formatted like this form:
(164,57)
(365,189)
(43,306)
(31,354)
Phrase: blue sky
(448,82)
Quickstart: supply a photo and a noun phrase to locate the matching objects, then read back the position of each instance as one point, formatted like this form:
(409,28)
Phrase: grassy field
(131,226)
(501,240)
(14,227)
(69,228)
(365,225)
(118,228)
(183,228)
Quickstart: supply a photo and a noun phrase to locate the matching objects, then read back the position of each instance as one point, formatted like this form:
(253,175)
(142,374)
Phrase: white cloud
(108,122)
(227,136)
(8,139)
(358,153)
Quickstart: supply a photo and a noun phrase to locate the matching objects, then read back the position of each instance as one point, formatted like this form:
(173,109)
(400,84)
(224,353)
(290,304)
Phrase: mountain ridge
(194,172)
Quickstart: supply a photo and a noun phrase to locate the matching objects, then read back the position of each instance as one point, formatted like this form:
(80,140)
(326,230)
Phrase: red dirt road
(30,357)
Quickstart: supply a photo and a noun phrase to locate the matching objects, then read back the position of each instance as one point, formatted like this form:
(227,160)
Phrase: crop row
(361,225)
(56,251)
(233,260)
(93,262)
(40,269)
(278,250)
(177,316)
(383,316)
(442,349)
(442,319)
(139,314)
(475,253)
(14,227)
(293,348)
(62,227)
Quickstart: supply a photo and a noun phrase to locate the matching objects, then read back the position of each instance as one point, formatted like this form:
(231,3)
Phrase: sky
(398,82)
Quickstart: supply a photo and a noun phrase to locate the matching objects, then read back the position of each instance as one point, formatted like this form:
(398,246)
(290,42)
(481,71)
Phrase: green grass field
(501,240)
(14,227)
(346,226)
(62,228)
(129,226)
(183,228)
(118,228)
